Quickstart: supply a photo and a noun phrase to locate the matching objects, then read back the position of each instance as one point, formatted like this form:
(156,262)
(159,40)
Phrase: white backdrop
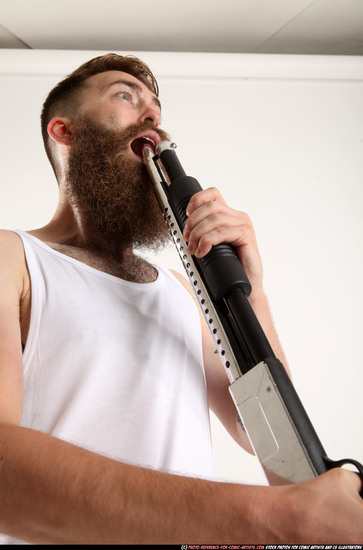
(282,137)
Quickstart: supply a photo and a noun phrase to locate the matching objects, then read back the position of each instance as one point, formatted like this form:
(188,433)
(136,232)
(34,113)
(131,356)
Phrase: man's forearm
(54,492)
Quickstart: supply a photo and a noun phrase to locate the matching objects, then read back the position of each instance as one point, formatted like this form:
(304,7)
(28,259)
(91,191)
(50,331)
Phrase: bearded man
(106,372)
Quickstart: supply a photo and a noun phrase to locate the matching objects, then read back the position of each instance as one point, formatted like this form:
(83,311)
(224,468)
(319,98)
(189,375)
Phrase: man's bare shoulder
(10,244)
(12,257)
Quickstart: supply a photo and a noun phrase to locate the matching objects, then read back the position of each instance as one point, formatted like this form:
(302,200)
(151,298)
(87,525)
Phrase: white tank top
(115,366)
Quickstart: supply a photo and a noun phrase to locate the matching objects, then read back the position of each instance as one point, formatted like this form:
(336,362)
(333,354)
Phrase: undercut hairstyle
(66,97)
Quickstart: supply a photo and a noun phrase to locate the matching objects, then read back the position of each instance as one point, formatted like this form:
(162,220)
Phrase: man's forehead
(102,80)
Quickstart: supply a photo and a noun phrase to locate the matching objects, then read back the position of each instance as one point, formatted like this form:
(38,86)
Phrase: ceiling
(317,27)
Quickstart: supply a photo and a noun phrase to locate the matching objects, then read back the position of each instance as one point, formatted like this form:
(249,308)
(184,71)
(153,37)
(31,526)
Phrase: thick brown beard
(111,190)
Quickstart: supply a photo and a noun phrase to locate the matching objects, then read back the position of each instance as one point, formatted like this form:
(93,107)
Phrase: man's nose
(151,112)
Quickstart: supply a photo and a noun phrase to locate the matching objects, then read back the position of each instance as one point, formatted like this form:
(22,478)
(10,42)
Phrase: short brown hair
(63,100)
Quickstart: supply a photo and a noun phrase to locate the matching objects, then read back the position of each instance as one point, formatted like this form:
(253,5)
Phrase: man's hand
(211,221)
(325,510)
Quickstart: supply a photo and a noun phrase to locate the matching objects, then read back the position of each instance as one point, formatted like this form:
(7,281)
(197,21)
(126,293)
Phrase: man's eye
(129,97)
(126,96)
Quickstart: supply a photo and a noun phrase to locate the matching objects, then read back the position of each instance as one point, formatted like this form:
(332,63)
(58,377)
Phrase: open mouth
(139,144)
(147,139)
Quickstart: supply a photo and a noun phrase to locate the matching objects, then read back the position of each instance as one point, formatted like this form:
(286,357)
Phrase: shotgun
(281,433)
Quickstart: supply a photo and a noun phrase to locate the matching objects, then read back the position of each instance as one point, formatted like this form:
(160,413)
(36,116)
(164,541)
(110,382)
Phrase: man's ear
(59,129)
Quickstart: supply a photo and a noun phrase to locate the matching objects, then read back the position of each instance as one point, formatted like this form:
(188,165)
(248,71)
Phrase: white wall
(282,137)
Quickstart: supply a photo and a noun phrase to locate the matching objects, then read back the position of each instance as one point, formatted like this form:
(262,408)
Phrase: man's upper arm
(13,279)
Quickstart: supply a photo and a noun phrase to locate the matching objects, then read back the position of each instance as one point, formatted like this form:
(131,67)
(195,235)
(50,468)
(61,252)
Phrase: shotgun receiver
(271,412)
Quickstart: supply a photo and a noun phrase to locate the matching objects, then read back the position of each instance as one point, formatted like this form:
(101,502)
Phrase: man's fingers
(357,483)
(200,198)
